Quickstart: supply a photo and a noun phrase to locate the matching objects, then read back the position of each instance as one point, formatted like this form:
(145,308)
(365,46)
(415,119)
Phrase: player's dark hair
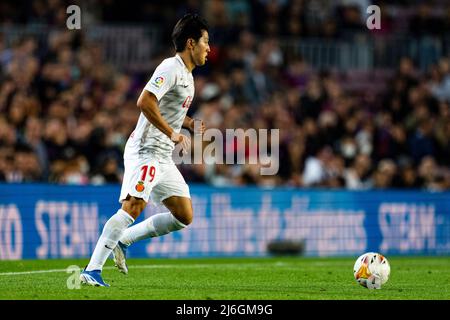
(190,26)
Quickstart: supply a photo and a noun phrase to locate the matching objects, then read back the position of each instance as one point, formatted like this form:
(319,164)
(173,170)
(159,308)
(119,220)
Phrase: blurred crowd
(65,113)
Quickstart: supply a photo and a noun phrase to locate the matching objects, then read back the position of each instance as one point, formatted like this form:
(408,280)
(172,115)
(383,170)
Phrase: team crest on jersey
(158,82)
(140,186)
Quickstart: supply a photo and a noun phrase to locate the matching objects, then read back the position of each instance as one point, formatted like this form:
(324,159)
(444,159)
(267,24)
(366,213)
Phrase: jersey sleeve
(162,80)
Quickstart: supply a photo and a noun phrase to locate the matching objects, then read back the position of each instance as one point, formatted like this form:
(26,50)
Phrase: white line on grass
(162,266)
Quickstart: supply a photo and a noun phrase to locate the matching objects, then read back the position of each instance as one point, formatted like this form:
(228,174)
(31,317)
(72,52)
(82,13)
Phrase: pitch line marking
(161,266)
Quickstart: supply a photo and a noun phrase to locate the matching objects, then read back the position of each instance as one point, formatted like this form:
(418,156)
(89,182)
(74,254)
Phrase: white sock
(108,240)
(155,226)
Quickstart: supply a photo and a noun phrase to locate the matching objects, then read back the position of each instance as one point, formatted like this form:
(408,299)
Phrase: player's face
(201,49)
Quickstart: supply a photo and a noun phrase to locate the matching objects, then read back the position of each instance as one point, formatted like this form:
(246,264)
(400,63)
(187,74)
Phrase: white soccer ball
(371,270)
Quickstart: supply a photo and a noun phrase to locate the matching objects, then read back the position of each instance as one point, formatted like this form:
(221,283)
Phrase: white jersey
(173,86)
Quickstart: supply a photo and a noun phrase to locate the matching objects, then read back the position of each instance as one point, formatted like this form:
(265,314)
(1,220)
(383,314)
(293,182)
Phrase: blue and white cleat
(120,257)
(93,278)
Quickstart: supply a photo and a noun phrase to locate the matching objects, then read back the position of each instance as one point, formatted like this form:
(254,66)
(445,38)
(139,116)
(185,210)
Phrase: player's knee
(133,206)
(189,218)
(185,216)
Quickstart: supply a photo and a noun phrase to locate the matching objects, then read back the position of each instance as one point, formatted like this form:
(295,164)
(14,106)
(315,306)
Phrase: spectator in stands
(317,167)
(26,165)
(33,138)
(109,172)
(422,142)
(59,98)
(73,171)
(357,175)
(384,175)
(439,82)
(409,178)
(434,177)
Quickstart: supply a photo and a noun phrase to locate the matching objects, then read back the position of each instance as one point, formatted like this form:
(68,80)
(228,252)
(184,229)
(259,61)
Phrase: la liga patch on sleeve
(158,81)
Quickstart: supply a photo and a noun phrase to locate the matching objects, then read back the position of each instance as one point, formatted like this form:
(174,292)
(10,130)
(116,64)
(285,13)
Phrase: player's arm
(148,103)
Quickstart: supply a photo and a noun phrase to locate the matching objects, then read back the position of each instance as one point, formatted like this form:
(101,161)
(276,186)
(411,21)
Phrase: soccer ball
(371,270)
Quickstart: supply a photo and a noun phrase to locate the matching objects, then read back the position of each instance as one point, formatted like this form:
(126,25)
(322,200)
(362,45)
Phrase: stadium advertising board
(54,221)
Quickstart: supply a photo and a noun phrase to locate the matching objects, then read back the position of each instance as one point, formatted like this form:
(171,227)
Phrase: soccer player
(149,168)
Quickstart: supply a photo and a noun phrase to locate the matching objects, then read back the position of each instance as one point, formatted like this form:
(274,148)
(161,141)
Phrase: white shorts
(145,177)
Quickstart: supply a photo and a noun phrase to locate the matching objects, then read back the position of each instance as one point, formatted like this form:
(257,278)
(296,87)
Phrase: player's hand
(184,140)
(197,126)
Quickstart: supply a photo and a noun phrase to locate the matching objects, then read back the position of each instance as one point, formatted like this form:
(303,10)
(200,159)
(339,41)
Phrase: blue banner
(54,221)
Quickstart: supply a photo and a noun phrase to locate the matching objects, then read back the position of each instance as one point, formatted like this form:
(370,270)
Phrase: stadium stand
(365,109)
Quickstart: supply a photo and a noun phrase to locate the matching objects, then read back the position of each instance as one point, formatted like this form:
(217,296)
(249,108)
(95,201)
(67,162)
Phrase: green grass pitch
(286,278)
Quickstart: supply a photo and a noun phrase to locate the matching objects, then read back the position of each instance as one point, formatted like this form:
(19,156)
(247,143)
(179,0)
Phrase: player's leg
(173,192)
(180,208)
(106,243)
(134,206)
(112,231)
(178,217)
(135,192)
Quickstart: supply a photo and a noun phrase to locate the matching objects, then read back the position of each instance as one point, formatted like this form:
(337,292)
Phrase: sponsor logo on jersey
(187,102)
